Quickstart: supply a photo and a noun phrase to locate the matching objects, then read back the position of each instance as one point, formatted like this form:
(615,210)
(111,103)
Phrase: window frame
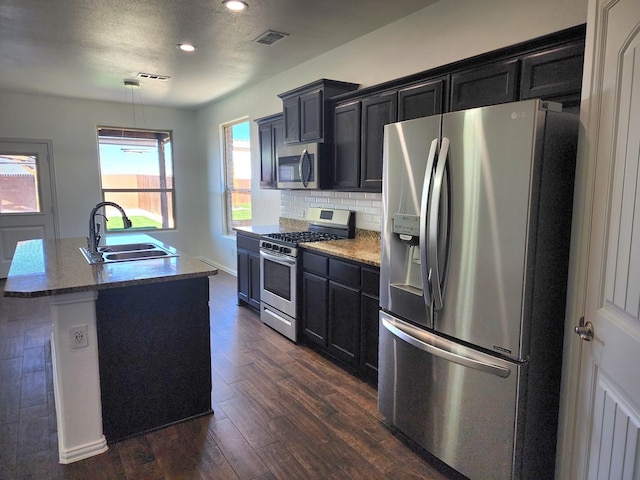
(227,174)
(170,197)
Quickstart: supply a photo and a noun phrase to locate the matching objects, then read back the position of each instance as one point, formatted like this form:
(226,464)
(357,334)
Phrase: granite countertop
(364,248)
(259,230)
(46,267)
(285,225)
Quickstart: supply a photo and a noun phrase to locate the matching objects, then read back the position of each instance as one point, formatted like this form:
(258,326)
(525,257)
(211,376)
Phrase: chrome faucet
(93,240)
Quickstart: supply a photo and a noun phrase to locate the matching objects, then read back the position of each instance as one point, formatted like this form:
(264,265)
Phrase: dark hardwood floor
(281,411)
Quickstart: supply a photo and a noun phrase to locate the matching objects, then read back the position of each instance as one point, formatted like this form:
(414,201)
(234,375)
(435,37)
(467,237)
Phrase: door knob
(585,330)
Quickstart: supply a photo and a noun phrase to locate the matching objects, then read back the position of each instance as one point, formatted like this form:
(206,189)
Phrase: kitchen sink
(130,247)
(120,256)
(126,253)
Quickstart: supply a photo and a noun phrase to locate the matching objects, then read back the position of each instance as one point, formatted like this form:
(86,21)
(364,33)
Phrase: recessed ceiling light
(235,5)
(186,47)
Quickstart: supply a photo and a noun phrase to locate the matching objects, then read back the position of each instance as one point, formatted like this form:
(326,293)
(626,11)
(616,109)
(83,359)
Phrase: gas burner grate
(298,237)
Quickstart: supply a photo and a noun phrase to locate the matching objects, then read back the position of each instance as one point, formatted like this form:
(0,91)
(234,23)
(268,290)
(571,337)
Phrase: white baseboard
(83,451)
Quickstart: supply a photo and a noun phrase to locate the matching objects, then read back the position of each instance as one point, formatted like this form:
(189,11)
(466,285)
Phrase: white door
(606,404)
(26,195)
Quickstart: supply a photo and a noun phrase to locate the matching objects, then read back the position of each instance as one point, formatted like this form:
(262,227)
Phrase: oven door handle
(282,259)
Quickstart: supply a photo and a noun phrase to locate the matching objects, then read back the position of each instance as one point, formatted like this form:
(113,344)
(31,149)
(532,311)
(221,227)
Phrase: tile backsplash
(368,206)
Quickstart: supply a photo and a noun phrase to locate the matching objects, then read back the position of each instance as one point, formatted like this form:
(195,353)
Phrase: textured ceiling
(85,49)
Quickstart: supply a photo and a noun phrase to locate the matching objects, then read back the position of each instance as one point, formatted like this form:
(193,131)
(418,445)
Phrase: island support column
(76,377)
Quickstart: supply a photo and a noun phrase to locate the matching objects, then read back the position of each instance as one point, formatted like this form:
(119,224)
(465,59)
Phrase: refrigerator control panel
(406,224)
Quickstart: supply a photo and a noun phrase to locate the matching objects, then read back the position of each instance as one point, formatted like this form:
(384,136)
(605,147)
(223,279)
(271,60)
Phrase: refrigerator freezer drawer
(460,404)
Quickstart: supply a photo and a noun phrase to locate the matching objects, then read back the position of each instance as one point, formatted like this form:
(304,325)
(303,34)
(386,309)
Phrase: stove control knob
(285,250)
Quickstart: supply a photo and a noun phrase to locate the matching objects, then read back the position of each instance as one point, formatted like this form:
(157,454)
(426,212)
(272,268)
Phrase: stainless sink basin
(127,253)
(130,247)
(114,257)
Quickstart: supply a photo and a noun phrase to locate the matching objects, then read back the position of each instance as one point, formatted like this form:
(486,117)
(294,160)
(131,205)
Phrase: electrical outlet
(79,337)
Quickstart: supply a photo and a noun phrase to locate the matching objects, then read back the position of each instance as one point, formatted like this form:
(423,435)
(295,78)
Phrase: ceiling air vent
(270,37)
(153,76)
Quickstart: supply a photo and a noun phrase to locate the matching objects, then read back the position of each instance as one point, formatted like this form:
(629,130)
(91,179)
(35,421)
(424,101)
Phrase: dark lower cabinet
(154,355)
(369,307)
(344,323)
(340,312)
(314,308)
(248,269)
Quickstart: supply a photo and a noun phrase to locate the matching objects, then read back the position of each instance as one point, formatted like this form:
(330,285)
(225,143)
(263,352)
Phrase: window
(136,170)
(237,160)
(19,184)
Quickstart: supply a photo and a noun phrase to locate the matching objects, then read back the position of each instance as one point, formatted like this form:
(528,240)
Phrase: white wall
(71,125)
(445,32)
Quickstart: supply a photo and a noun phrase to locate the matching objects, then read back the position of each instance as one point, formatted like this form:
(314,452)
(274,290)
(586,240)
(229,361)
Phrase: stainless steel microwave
(299,166)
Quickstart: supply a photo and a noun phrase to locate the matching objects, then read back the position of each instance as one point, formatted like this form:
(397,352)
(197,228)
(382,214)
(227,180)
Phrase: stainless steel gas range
(279,266)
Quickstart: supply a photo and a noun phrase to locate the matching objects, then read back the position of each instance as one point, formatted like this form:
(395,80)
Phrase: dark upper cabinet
(359,130)
(554,74)
(346,159)
(305,119)
(548,67)
(421,100)
(291,112)
(270,135)
(311,116)
(376,113)
(485,85)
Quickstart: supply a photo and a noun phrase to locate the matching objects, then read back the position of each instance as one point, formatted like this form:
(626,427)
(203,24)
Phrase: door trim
(581,241)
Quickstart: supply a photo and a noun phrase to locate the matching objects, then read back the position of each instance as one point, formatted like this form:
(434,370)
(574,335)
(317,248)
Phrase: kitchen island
(130,340)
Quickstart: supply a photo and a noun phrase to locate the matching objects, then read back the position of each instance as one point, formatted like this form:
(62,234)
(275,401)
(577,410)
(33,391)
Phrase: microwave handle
(305,154)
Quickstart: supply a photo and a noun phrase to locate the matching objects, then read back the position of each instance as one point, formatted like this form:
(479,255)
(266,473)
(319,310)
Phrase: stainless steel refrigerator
(475,242)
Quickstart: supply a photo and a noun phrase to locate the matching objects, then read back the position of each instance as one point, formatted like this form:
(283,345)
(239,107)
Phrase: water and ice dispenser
(405,290)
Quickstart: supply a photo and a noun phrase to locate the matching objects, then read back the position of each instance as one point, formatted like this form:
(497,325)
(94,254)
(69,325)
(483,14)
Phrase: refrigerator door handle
(408,333)
(425,272)
(434,218)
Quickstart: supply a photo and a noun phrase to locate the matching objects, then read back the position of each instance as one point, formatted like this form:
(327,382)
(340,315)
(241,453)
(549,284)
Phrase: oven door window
(277,279)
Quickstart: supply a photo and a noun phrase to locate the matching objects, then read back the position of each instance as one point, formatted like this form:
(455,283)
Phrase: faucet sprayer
(93,240)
